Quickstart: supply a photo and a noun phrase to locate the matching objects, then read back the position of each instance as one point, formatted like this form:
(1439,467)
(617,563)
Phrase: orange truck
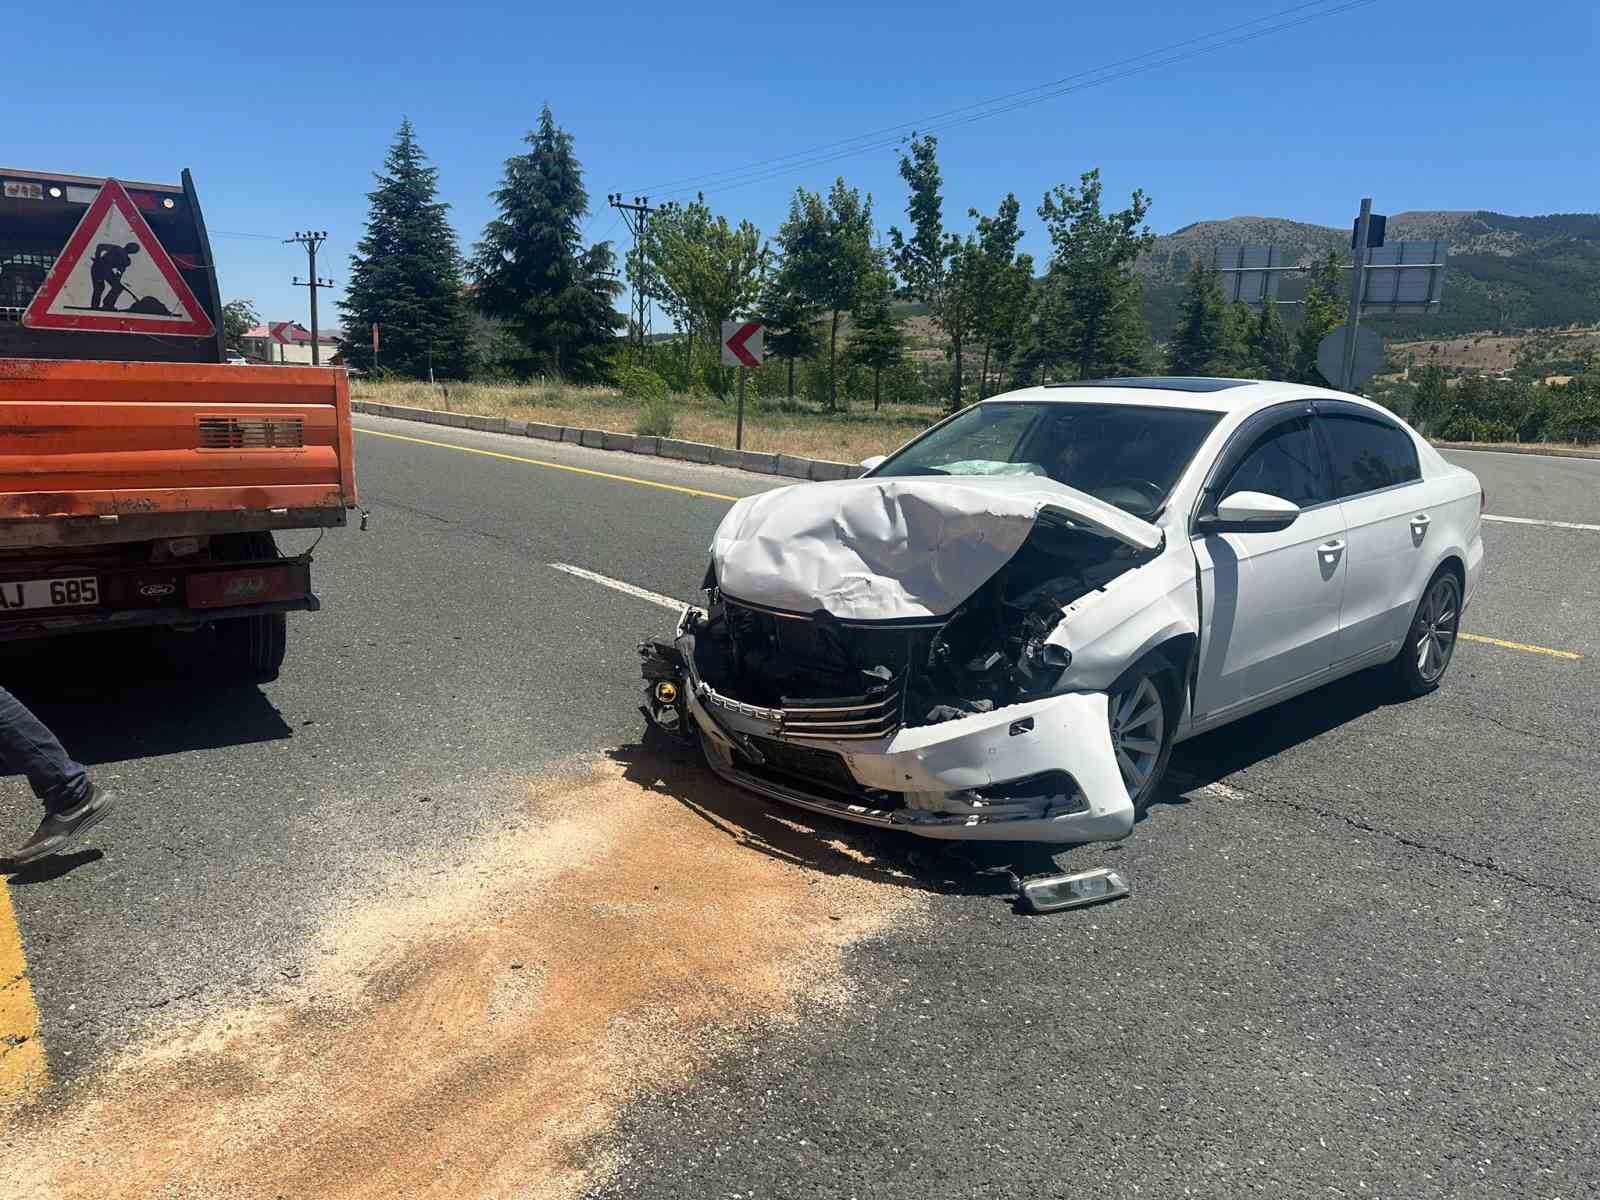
(142,476)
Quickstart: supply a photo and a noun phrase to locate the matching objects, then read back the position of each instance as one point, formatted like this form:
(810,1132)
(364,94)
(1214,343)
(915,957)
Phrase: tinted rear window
(1368,454)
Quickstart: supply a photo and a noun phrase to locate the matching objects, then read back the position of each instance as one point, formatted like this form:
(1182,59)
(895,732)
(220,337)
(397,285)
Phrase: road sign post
(1358,286)
(741,347)
(738,420)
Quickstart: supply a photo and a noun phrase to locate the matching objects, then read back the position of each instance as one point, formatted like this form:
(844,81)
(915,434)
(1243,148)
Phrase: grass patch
(775,426)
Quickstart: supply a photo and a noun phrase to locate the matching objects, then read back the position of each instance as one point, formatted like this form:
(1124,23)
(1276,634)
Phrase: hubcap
(1436,628)
(1138,725)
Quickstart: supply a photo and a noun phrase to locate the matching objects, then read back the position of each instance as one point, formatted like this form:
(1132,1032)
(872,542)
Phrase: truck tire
(250,649)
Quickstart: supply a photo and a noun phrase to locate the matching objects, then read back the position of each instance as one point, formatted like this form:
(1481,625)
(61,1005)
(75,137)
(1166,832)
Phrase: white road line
(1550,524)
(616,585)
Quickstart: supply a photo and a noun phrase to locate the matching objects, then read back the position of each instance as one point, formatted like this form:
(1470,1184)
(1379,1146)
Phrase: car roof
(1195,394)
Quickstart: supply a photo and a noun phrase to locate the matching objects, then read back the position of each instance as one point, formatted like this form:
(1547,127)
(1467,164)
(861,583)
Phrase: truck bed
(96,452)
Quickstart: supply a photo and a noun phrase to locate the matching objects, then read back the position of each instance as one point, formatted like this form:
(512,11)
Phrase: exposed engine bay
(994,650)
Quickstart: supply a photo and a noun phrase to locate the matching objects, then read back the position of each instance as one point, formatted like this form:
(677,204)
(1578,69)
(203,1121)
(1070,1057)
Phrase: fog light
(1052,893)
(667,692)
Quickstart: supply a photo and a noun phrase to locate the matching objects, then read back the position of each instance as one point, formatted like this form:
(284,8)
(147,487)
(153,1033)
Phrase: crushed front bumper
(1039,771)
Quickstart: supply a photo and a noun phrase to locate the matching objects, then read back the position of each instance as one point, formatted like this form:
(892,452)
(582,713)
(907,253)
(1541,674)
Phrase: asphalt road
(1361,958)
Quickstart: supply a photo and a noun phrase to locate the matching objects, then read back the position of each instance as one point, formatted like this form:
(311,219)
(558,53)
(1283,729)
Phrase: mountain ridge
(1505,272)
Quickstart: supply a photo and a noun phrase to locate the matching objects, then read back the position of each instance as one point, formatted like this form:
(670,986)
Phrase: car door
(1270,600)
(1378,481)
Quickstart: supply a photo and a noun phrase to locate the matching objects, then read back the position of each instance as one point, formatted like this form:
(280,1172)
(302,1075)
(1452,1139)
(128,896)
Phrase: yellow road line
(1505,645)
(22,1065)
(539,462)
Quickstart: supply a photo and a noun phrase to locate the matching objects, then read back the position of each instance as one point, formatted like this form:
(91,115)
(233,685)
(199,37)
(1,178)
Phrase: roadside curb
(789,466)
(1518,448)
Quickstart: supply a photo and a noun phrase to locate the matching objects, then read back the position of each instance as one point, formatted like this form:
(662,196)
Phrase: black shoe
(58,829)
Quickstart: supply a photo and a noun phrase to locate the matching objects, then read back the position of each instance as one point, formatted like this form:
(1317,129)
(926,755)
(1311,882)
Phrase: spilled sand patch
(473,1032)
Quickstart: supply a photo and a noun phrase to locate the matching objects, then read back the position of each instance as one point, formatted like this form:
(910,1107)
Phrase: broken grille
(847,717)
(251,433)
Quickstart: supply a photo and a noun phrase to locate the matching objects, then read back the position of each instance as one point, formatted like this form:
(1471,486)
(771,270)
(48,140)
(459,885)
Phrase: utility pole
(311,239)
(635,216)
(1358,287)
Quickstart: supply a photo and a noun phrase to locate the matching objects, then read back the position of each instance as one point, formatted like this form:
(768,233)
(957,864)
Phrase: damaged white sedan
(1001,630)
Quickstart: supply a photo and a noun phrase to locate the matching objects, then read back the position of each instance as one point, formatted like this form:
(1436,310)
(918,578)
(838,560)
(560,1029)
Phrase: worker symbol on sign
(115,276)
(105,273)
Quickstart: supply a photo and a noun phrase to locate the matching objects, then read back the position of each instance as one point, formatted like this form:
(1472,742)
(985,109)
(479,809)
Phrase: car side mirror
(1251,512)
(875,460)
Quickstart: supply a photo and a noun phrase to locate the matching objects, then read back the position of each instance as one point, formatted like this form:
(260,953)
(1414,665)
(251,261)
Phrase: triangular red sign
(115,277)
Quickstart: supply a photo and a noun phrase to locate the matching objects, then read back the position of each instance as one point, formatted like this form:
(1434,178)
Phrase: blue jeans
(30,749)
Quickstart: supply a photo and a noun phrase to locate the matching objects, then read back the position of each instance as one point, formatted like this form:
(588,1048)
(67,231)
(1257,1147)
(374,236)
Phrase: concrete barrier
(758,461)
(696,452)
(794,468)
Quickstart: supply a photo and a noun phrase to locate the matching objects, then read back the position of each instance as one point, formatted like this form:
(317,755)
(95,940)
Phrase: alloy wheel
(1436,627)
(1138,729)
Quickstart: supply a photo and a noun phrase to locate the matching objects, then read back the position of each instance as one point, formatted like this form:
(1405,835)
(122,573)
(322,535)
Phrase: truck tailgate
(132,440)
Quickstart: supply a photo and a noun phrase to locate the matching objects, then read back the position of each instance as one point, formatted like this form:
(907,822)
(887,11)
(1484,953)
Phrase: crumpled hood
(895,548)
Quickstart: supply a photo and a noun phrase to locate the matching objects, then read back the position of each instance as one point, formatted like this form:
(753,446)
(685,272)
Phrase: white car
(1001,630)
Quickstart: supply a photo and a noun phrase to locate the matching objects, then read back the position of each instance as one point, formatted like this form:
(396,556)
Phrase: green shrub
(655,416)
(641,383)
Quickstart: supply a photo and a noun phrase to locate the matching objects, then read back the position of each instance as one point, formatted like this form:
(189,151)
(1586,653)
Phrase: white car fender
(1109,630)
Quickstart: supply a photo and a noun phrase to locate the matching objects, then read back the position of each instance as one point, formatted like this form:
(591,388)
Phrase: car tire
(1143,708)
(250,649)
(1431,639)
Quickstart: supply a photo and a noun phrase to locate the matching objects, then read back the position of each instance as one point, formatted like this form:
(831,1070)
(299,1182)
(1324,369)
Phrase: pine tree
(1199,344)
(876,341)
(1322,312)
(405,275)
(1271,354)
(791,324)
(532,270)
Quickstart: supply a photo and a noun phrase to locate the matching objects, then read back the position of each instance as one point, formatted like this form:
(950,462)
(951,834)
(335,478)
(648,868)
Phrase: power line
(981,110)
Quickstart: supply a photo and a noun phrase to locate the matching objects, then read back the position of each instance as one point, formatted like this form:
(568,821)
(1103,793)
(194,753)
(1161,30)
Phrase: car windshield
(1127,455)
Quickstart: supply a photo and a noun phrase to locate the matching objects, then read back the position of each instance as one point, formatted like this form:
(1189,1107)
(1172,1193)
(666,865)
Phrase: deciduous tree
(239,317)
(827,254)
(702,269)
(936,267)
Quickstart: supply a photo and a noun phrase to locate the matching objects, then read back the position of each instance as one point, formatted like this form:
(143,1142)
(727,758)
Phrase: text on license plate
(49,593)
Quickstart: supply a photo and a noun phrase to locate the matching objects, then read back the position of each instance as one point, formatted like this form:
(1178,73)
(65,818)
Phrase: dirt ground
(474,1032)
(1487,353)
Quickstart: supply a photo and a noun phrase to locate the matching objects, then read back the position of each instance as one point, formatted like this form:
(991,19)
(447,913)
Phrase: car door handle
(1331,550)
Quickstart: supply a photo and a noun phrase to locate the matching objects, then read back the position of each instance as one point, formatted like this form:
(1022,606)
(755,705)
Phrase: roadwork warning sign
(114,276)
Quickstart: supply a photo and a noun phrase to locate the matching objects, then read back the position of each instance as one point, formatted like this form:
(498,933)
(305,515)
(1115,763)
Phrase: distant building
(259,345)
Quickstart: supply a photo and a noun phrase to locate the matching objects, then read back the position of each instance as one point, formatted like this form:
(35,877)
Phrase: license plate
(49,593)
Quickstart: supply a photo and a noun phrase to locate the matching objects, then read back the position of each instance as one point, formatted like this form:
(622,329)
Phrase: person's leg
(28,747)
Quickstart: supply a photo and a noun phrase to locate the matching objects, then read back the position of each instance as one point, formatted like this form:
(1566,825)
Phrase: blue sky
(283,113)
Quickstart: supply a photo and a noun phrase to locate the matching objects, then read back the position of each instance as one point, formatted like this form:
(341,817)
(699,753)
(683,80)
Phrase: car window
(1368,454)
(1286,462)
